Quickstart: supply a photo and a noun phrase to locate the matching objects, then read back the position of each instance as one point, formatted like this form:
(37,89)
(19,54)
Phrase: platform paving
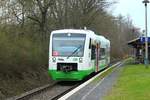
(96,90)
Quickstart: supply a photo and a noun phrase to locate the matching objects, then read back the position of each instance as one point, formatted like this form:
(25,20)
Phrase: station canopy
(138,42)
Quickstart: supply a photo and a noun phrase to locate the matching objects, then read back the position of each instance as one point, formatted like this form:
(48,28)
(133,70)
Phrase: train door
(93,56)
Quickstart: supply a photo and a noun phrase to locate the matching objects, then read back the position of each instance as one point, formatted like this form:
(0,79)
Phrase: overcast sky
(135,9)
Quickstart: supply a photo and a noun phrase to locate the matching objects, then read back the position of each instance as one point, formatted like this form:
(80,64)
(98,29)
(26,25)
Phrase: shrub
(21,53)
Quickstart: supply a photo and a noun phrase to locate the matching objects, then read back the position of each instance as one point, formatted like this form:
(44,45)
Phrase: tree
(76,13)
(37,12)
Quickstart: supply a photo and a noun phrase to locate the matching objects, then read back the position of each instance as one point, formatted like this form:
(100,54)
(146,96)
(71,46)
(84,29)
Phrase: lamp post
(146,38)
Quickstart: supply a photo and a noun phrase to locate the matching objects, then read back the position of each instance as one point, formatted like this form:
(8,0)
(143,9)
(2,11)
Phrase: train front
(66,54)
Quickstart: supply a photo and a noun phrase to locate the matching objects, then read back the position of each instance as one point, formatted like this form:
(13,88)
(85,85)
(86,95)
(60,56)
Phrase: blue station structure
(138,46)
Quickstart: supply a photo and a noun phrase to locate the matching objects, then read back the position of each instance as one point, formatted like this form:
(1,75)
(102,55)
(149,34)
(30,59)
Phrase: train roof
(81,31)
(73,31)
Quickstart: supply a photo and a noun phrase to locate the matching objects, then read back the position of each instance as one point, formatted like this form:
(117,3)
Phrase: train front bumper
(69,76)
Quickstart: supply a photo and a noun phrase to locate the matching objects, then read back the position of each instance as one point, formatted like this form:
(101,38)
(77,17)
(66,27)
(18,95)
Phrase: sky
(135,9)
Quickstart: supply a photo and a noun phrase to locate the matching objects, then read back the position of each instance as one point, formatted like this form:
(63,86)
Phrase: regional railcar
(74,54)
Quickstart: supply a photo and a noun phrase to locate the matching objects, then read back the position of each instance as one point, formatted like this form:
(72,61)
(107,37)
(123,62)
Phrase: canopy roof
(138,42)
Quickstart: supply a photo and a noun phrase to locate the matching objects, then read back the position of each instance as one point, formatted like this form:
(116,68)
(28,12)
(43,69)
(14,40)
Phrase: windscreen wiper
(74,51)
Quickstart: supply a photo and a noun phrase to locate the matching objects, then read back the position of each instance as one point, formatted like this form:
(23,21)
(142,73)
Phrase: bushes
(23,64)
(20,54)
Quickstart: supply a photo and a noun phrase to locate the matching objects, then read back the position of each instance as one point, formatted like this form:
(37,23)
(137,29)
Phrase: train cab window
(93,52)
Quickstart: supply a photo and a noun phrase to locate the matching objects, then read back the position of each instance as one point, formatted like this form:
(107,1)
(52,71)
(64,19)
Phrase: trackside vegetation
(133,84)
(23,65)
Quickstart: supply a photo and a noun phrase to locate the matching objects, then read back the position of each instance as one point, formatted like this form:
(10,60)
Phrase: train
(76,53)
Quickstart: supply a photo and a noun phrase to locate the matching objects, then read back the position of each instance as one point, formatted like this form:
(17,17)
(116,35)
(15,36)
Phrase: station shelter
(138,46)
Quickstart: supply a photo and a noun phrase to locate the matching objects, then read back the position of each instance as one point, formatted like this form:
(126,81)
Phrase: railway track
(51,92)
(47,92)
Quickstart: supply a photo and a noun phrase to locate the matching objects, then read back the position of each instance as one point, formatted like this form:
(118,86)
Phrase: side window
(93,52)
(102,53)
(90,44)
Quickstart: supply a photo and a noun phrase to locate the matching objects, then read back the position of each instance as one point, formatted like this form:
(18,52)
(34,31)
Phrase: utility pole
(146,38)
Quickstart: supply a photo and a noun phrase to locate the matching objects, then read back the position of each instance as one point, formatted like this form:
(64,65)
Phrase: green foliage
(20,54)
(133,84)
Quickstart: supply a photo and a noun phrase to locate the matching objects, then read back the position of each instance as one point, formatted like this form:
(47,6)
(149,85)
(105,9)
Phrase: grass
(103,75)
(133,84)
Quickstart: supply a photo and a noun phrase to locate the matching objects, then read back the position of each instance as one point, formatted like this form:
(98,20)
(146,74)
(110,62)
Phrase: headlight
(54,59)
(80,60)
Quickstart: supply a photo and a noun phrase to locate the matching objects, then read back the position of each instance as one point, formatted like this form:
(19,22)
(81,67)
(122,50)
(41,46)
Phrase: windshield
(68,44)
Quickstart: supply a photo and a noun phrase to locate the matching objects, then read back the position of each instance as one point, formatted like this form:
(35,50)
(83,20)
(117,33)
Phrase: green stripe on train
(101,66)
(73,75)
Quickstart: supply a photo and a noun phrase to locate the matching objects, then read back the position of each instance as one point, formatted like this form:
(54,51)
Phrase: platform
(96,89)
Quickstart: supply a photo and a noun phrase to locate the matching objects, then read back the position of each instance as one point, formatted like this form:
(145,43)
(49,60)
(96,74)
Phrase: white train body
(74,54)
